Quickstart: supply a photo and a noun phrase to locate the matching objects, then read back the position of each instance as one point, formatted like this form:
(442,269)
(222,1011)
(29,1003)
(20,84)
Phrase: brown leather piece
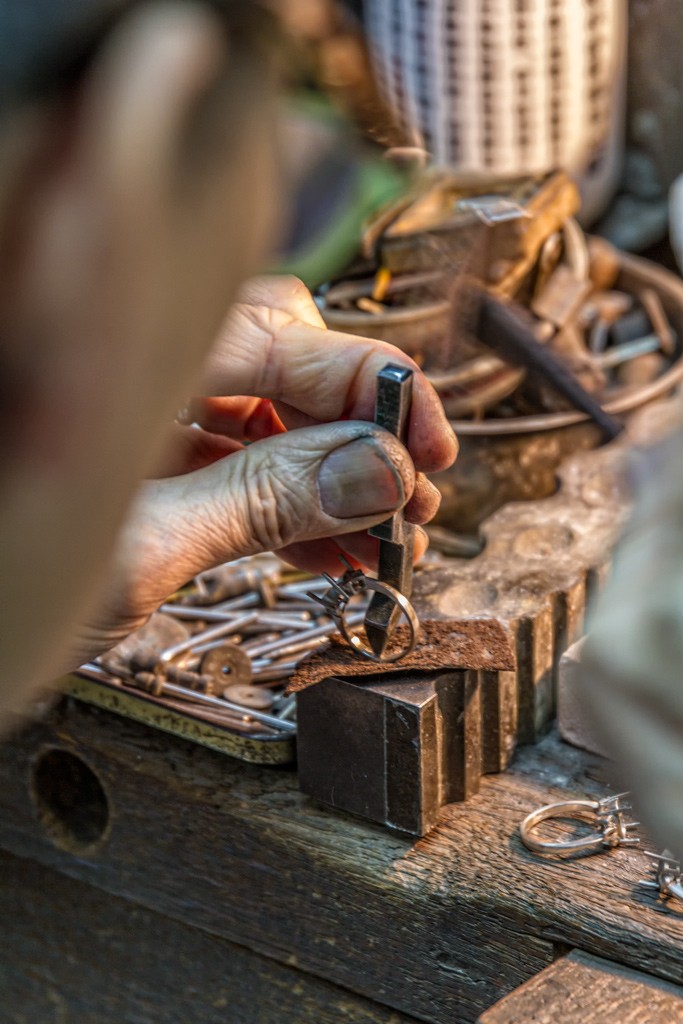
(443,644)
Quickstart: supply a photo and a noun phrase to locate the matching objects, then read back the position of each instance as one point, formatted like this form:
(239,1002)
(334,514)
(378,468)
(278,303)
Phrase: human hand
(318,474)
(123,236)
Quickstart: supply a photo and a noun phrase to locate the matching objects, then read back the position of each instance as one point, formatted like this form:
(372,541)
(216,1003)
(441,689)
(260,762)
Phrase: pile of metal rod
(224,647)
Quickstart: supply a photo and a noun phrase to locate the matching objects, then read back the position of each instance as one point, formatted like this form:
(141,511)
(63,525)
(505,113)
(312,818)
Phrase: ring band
(607,815)
(408,613)
(581,810)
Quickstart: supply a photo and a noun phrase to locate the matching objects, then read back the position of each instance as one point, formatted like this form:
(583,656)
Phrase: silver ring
(408,612)
(608,816)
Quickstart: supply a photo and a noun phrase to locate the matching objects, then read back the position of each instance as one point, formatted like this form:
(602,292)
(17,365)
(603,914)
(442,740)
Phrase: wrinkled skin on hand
(246,477)
(132,207)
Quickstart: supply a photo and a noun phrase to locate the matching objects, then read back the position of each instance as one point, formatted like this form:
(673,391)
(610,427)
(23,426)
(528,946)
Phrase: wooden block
(584,989)
(75,954)
(573,718)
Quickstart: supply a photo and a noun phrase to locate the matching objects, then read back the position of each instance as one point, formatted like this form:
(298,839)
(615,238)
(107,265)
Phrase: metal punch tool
(391,590)
(396,536)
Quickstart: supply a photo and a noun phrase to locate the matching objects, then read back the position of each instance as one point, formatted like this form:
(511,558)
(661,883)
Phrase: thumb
(315,482)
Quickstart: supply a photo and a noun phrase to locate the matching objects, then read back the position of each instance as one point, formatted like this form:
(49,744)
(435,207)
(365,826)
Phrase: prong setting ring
(607,815)
(354,582)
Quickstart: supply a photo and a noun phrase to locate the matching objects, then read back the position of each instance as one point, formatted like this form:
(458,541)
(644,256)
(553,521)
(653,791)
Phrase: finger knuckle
(272,511)
(295,288)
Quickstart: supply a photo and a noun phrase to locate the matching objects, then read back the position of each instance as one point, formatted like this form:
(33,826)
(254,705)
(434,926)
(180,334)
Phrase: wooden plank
(71,954)
(584,989)
(236,850)
(439,928)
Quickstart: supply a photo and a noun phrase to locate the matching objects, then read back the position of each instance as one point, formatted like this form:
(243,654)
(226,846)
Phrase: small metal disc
(227,664)
(255,697)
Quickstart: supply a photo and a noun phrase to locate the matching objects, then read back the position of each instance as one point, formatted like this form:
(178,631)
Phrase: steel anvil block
(395,748)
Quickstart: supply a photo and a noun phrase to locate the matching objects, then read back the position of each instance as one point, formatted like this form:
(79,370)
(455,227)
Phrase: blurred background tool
(498,90)
(508,330)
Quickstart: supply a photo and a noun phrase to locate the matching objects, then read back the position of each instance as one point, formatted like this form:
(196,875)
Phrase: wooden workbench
(193,888)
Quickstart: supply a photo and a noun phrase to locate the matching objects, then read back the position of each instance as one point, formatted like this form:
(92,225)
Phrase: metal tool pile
(608,341)
(435,269)
(223,648)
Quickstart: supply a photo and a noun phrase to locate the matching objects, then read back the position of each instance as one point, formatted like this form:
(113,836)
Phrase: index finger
(320,376)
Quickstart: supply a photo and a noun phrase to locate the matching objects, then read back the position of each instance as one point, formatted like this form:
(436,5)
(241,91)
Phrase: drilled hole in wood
(70,801)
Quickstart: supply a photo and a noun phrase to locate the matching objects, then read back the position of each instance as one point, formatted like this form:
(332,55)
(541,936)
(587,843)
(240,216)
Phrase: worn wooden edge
(264,751)
(583,989)
(73,953)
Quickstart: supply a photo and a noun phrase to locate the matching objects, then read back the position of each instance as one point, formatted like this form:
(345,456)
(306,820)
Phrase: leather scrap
(444,644)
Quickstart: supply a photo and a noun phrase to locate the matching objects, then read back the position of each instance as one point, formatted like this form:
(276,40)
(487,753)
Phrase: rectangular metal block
(499,718)
(340,747)
(461,744)
(393,748)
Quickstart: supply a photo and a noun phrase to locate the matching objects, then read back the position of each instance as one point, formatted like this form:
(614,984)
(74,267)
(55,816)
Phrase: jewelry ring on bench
(611,827)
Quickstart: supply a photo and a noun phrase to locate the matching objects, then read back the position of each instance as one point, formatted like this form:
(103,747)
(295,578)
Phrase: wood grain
(133,966)
(584,989)
(439,928)
(237,851)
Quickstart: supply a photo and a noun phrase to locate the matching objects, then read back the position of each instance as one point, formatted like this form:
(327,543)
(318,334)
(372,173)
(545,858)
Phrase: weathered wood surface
(133,966)
(439,928)
(584,989)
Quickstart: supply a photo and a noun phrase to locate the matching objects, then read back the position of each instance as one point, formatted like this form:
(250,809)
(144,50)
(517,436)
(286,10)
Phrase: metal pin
(216,702)
(293,604)
(270,674)
(286,643)
(238,603)
(283,622)
(196,611)
(628,350)
(288,708)
(261,638)
(243,723)
(299,588)
(296,647)
(222,629)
